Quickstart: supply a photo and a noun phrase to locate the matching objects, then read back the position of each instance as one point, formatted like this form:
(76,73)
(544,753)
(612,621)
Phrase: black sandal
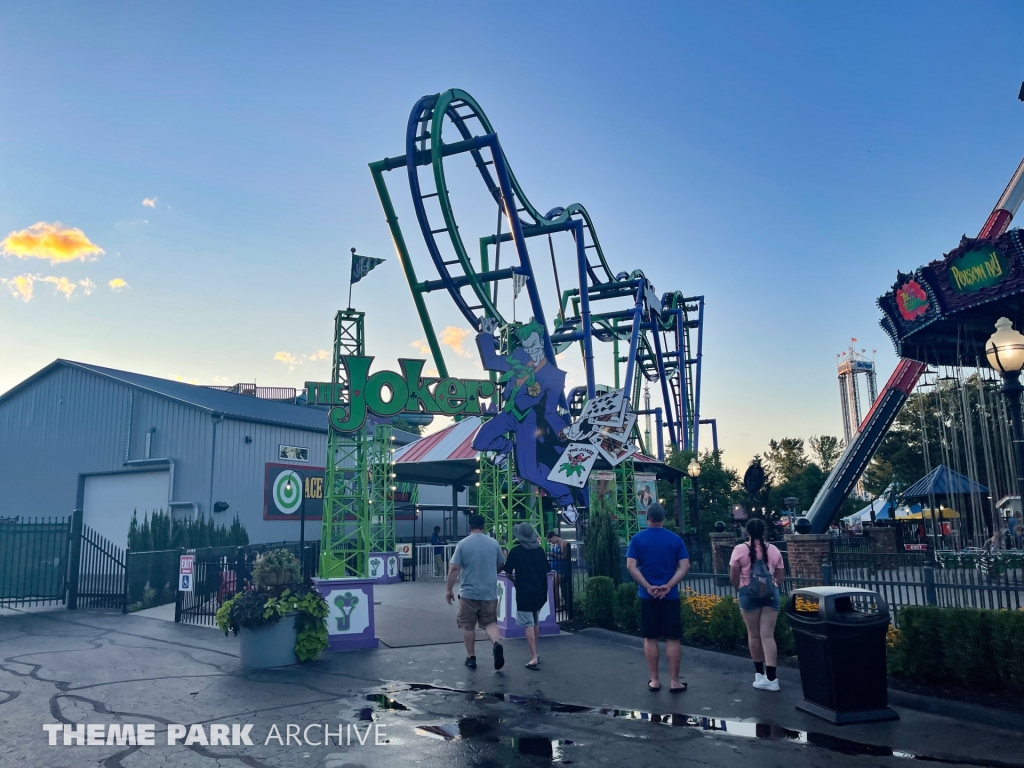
(680,689)
(651,688)
(534,667)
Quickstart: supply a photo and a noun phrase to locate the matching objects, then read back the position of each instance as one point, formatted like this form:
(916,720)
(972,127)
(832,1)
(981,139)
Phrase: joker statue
(533,389)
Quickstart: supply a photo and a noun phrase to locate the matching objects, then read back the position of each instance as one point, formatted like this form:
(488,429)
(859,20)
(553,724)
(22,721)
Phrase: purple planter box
(507,625)
(384,567)
(350,623)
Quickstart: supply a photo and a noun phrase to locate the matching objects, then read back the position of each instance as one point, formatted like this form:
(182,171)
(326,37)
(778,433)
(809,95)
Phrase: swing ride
(939,318)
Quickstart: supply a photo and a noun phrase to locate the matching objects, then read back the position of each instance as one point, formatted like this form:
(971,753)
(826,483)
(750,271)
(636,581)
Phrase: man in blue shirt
(657,560)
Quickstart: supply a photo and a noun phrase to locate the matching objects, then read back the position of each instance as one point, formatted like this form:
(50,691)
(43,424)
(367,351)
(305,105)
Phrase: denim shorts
(751,602)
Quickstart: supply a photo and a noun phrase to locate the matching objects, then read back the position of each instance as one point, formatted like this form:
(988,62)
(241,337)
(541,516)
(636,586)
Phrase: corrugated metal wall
(241,470)
(68,422)
(74,422)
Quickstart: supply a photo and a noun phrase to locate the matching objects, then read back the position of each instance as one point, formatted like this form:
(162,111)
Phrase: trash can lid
(832,591)
(838,605)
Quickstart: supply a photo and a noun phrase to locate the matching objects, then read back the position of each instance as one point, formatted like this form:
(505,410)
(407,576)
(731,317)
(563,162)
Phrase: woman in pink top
(756,571)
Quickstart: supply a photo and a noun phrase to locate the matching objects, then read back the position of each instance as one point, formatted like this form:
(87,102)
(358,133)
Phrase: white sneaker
(765,684)
(758,679)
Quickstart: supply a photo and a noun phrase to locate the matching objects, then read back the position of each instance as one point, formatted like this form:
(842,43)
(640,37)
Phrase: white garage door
(110,501)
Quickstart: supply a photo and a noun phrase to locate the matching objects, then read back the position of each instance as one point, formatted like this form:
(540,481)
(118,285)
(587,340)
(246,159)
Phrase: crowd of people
(657,560)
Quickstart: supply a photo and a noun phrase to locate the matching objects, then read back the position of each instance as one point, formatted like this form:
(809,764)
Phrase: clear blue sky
(782,159)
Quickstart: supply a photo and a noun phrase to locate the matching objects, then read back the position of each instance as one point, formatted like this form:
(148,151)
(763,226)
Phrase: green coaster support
(506,500)
(382,485)
(625,502)
(345,538)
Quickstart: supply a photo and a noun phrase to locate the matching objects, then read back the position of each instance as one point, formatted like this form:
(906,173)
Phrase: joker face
(534,347)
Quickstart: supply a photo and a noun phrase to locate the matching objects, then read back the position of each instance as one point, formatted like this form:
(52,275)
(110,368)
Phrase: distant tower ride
(851,365)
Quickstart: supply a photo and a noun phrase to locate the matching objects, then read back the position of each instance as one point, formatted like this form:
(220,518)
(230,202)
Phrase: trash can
(840,641)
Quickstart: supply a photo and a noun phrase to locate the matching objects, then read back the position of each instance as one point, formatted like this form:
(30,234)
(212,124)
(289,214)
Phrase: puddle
(486,727)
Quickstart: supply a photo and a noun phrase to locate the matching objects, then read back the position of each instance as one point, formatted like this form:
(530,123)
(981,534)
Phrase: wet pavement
(420,706)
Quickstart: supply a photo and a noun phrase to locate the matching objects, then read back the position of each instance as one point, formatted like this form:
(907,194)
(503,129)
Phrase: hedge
(599,601)
(707,620)
(965,647)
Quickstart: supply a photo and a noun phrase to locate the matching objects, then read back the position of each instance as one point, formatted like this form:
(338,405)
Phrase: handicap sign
(186,569)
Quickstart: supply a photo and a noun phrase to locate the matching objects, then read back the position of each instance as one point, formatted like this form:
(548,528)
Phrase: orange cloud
(421,346)
(455,338)
(49,241)
(60,285)
(117,284)
(21,286)
(320,354)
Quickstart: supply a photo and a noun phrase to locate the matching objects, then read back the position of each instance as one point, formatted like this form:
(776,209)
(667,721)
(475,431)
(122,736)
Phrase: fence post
(826,573)
(74,559)
(930,596)
(570,609)
(178,594)
(124,596)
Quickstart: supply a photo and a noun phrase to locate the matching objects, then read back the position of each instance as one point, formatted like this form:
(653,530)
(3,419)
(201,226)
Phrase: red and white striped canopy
(448,456)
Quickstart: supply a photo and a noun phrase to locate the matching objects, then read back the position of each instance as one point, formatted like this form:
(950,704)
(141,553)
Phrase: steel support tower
(345,539)
(382,487)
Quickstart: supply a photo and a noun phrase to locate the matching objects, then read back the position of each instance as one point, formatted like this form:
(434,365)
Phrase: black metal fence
(918,578)
(96,570)
(220,572)
(34,560)
(59,560)
(570,571)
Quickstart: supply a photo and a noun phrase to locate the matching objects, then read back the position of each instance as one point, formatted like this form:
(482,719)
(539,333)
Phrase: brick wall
(806,554)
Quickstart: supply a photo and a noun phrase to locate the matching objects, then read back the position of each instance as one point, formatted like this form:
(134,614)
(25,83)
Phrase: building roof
(943,481)
(230,405)
(448,456)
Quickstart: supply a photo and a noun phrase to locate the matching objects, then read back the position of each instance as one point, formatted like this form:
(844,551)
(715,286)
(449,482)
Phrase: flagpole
(350,278)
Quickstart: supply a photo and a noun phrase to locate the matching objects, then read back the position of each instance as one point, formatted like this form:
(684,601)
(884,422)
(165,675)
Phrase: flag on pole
(361,266)
(518,283)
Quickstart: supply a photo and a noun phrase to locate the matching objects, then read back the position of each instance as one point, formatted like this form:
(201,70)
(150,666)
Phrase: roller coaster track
(473,287)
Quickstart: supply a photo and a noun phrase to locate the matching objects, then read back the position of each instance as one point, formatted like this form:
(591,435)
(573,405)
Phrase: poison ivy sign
(977,269)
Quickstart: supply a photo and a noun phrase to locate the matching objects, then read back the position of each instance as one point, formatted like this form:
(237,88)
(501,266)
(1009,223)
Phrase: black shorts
(660,618)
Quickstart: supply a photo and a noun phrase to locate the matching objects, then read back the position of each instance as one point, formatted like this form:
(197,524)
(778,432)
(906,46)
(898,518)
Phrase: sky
(180,183)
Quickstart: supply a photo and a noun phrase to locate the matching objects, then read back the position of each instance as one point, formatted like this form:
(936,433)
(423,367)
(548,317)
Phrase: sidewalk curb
(957,710)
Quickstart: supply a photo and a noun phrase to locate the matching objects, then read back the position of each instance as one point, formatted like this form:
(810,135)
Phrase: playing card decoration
(574,468)
(606,423)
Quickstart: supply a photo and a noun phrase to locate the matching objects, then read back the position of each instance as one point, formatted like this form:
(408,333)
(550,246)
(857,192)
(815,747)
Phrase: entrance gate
(59,560)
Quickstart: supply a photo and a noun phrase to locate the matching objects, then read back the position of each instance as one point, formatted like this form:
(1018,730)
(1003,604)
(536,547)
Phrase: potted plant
(278,622)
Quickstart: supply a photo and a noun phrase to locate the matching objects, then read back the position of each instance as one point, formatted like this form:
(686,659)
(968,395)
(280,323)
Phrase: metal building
(112,442)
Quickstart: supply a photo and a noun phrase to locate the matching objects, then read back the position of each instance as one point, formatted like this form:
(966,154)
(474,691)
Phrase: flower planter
(269,646)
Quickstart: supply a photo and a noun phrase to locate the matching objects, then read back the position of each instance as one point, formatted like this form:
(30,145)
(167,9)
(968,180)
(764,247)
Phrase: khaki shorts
(473,611)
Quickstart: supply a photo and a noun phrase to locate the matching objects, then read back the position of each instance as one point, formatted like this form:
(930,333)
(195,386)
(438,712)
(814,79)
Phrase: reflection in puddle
(485,728)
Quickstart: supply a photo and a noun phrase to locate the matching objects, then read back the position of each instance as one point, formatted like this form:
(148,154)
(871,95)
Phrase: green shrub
(602,547)
(971,648)
(726,628)
(275,569)
(599,603)
(695,629)
(1008,648)
(965,632)
(784,633)
(627,608)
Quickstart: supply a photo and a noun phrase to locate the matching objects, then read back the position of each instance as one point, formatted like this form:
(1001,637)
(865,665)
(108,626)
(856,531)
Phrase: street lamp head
(693,468)
(1005,348)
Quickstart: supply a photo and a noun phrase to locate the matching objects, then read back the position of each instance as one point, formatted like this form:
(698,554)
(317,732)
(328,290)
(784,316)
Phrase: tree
(399,423)
(786,459)
(827,449)
(718,488)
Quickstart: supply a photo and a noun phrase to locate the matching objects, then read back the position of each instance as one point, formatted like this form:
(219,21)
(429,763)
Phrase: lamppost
(302,521)
(1005,353)
(693,470)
